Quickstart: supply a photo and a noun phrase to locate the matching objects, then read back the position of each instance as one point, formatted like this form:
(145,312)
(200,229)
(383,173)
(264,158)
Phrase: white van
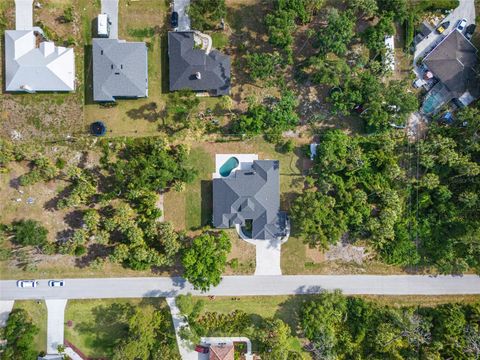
(27,283)
(103,27)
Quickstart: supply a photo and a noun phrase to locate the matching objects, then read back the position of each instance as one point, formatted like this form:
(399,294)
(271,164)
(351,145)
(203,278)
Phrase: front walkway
(55,324)
(178,322)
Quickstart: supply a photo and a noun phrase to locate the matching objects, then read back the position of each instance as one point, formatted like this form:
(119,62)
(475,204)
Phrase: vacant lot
(38,313)
(96,326)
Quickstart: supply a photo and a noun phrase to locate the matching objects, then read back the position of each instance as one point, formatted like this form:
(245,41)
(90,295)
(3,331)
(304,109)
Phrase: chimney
(198,75)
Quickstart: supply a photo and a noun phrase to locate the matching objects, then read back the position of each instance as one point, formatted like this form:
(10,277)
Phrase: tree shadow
(290,310)
(109,326)
(207,206)
(94,251)
(147,112)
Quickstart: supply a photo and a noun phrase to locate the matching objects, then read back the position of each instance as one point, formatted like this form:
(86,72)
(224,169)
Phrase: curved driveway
(135,287)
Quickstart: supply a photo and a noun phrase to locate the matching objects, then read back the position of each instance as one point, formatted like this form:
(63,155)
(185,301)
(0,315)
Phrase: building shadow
(207,203)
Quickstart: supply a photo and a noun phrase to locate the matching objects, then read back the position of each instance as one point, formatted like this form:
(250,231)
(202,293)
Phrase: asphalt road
(135,287)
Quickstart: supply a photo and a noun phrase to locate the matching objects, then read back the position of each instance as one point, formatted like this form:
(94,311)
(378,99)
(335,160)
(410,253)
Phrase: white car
(56,283)
(461,25)
(27,283)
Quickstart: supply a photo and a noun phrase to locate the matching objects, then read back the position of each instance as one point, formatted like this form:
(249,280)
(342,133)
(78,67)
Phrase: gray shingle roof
(120,69)
(251,195)
(185,61)
(453,61)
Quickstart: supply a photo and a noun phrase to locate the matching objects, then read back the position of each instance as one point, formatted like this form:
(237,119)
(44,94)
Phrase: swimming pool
(228,166)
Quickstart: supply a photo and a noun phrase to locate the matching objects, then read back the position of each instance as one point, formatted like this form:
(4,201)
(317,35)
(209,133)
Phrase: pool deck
(245,162)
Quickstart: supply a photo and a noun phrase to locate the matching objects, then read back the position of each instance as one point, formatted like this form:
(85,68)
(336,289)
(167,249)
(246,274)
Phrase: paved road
(23,14)
(181,6)
(55,324)
(247,285)
(110,7)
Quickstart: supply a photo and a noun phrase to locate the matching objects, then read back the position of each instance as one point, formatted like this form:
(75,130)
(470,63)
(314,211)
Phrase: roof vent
(198,76)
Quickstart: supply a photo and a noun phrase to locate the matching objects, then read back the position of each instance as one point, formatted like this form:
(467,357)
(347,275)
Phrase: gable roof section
(453,61)
(185,61)
(34,66)
(120,69)
(250,195)
(222,352)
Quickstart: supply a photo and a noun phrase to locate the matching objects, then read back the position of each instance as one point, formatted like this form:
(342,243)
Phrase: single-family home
(246,195)
(194,65)
(32,62)
(222,352)
(454,63)
(120,69)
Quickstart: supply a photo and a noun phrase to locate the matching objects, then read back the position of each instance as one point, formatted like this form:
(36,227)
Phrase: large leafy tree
(337,35)
(206,259)
(20,333)
(207,14)
(29,232)
(271,119)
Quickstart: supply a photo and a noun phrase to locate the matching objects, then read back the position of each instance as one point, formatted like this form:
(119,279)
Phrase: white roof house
(34,64)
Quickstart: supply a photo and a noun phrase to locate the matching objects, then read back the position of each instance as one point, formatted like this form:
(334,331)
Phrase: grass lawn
(94,330)
(285,308)
(38,313)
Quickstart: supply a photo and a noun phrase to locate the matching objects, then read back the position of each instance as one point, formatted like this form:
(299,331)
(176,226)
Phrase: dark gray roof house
(251,195)
(453,61)
(192,68)
(120,69)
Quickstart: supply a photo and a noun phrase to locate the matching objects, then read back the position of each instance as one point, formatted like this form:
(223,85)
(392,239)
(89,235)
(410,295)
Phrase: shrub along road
(136,287)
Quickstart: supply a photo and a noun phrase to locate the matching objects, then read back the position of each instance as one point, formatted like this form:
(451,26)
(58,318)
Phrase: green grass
(38,313)
(198,194)
(94,330)
(285,308)
(293,256)
(219,40)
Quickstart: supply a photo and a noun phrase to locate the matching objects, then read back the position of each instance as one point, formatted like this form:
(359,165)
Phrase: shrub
(80,250)
(29,232)
(68,15)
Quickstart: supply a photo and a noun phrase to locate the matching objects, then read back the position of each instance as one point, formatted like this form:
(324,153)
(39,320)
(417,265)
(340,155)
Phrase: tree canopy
(205,260)
(19,333)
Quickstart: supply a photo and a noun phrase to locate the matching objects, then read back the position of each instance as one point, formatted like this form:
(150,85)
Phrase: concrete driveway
(466,10)
(268,254)
(5,310)
(181,6)
(110,7)
(55,324)
(178,322)
(23,14)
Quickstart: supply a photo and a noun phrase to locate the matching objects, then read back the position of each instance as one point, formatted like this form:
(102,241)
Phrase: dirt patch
(313,254)
(346,253)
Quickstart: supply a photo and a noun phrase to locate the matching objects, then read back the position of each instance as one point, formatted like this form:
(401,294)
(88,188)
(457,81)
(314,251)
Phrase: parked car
(202,349)
(56,283)
(103,26)
(174,19)
(443,27)
(461,25)
(469,31)
(27,283)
